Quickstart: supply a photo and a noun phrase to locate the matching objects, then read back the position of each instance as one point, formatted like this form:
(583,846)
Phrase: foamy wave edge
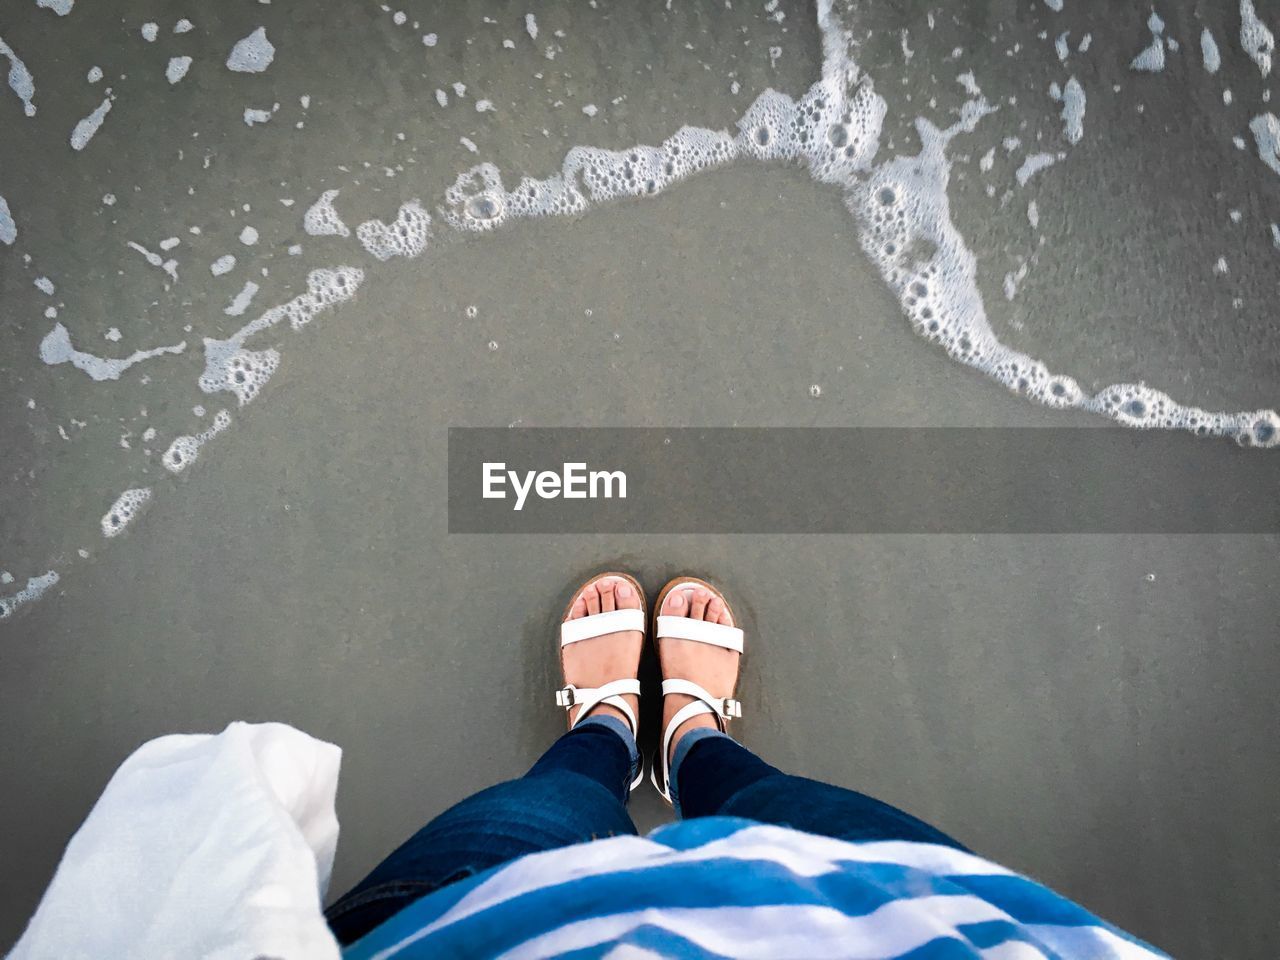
(900,207)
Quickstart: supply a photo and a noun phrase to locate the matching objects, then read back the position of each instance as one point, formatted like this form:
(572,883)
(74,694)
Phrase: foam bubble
(321,218)
(224,264)
(253,115)
(8,229)
(150,31)
(252,54)
(246,372)
(406,236)
(185,449)
(56,348)
(478,201)
(84,130)
(1033,165)
(94,74)
(1151,59)
(242,300)
(1013,278)
(1266,134)
(60,7)
(127,506)
(35,587)
(177,69)
(1209,51)
(1255,38)
(183,26)
(168,266)
(834,129)
(20,79)
(1073,107)
(228,366)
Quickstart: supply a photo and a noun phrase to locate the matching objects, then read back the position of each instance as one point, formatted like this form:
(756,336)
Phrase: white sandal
(598,625)
(700,631)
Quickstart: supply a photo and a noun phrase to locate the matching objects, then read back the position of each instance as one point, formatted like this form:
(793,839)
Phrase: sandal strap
(700,631)
(591,697)
(599,624)
(611,694)
(721,708)
(725,707)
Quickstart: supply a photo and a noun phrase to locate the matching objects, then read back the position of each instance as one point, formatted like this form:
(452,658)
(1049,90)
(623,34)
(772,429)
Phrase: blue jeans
(577,791)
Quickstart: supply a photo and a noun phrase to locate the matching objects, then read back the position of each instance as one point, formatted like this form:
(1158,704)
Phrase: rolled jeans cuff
(623,731)
(687,743)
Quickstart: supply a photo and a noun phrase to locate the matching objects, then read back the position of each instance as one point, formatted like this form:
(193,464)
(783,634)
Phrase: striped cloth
(723,887)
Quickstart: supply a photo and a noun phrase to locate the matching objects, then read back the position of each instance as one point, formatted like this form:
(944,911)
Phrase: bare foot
(612,656)
(713,668)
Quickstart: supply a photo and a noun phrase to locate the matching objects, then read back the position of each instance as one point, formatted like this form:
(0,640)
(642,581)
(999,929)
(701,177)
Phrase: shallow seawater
(1047,206)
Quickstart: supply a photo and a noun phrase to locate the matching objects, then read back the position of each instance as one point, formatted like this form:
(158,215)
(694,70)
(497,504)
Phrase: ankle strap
(591,697)
(721,708)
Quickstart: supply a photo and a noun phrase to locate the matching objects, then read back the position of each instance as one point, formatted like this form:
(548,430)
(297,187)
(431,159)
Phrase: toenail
(624,590)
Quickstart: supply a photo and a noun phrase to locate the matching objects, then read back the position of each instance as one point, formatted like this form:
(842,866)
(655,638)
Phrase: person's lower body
(577,791)
(714,775)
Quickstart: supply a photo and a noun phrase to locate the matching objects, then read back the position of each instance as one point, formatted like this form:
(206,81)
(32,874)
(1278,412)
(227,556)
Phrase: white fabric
(216,847)
(702,631)
(599,624)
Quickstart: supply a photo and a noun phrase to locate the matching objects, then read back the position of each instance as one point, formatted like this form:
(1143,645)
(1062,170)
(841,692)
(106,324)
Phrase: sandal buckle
(732,708)
(565,697)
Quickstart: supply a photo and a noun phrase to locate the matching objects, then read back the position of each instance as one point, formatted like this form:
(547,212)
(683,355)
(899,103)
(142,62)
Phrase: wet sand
(1092,710)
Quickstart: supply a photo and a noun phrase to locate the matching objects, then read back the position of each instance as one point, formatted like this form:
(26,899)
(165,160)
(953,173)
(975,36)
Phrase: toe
(592,596)
(698,607)
(714,609)
(606,596)
(625,596)
(677,603)
(578,610)
(726,619)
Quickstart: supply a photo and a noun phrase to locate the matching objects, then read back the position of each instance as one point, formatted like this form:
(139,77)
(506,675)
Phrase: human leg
(576,792)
